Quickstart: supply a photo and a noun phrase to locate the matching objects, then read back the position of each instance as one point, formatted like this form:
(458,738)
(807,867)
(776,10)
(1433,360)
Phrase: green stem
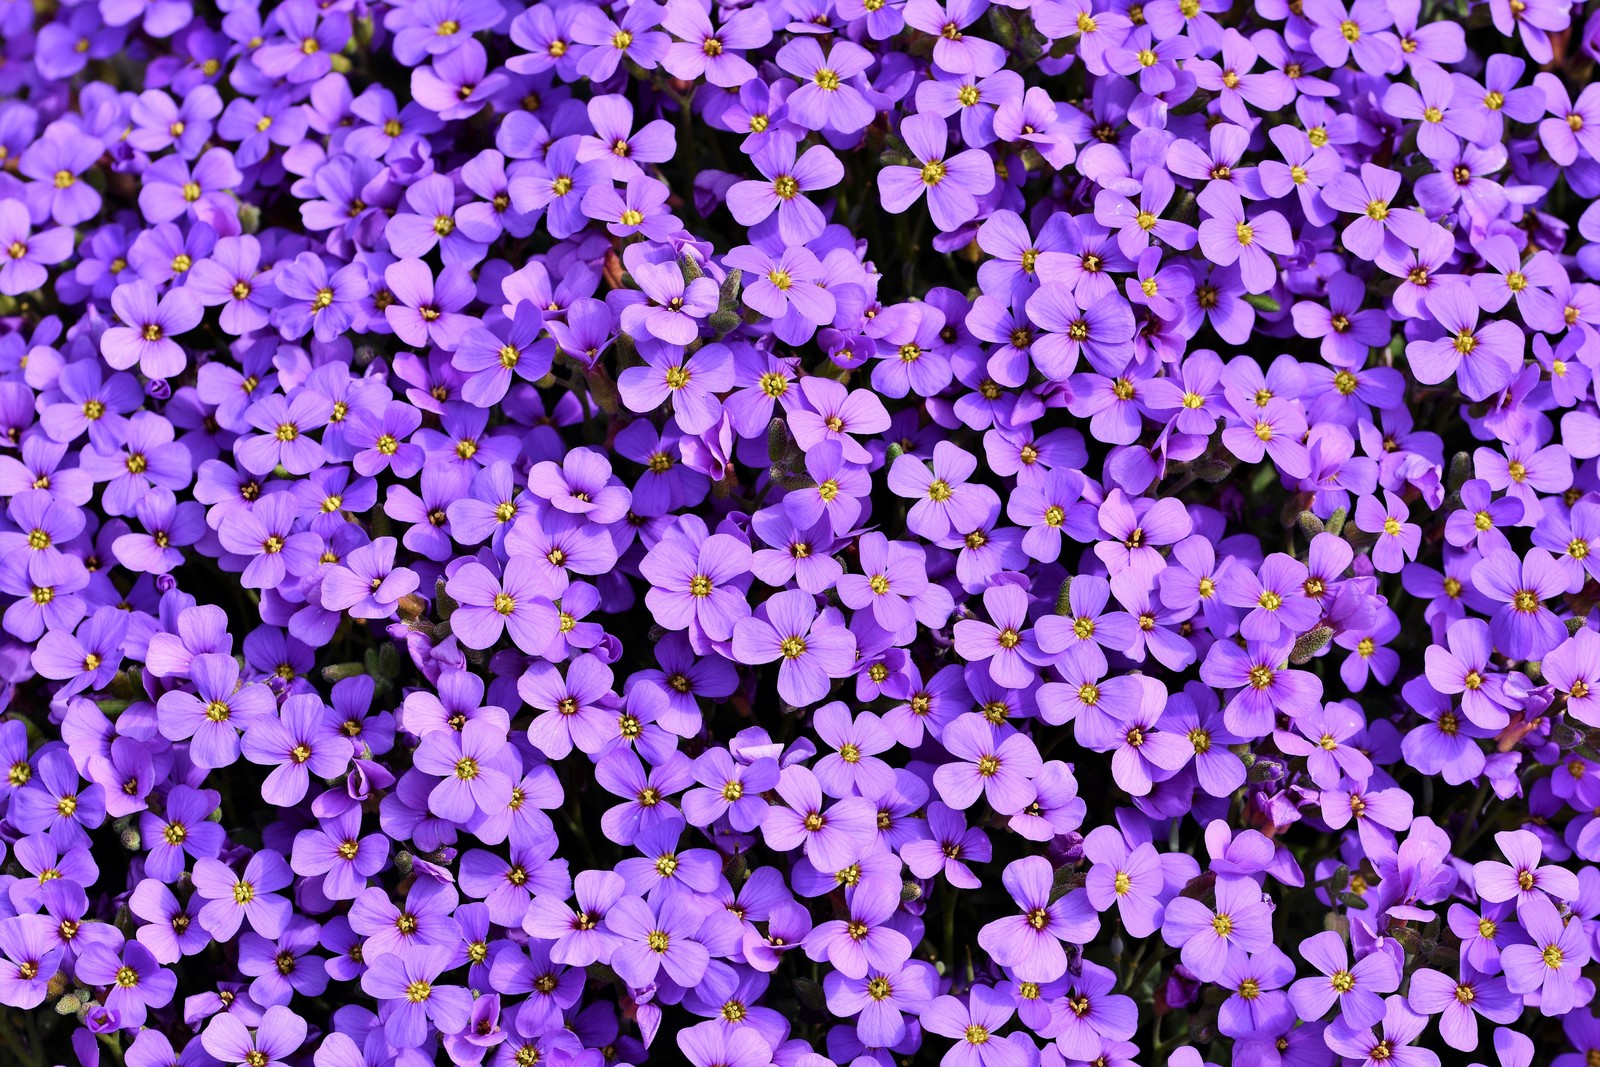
(947,939)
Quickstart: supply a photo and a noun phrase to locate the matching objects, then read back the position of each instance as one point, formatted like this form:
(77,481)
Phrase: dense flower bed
(812,532)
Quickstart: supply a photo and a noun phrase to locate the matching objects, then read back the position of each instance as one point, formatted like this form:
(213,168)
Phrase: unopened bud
(728,292)
(809,994)
(1063,598)
(338,672)
(778,440)
(1309,644)
(604,390)
(443,600)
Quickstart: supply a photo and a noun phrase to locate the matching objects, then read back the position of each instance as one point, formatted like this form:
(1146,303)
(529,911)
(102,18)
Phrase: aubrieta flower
(434,528)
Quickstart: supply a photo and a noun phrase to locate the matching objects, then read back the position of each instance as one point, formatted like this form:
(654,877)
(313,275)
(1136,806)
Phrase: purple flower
(691,381)
(171,189)
(834,837)
(279,1035)
(231,898)
(651,940)
(1523,626)
(406,986)
(1211,937)
(1006,642)
(31,957)
(27,254)
(1139,220)
(788,180)
(1029,944)
(996,765)
(516,603)
(151,325)
(1457,1002)
(428,308)
(973,1026)
(952,184)
(944,498)
(811,647)
(1484,359)
(1390,1045)
(1379,227)
(787,288)
(1230,236)
(1101,332)
(827,97)
(136,981)
(1358,990)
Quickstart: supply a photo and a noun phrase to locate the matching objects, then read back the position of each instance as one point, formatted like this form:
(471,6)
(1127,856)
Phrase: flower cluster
(1031,533)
